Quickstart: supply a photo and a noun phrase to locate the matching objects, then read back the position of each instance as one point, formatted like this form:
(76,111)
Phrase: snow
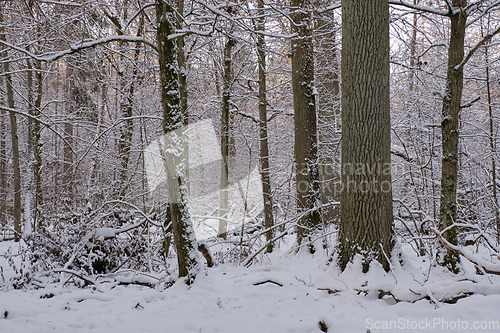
(232,298)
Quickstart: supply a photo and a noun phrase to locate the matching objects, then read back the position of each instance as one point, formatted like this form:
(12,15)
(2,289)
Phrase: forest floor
(281,293)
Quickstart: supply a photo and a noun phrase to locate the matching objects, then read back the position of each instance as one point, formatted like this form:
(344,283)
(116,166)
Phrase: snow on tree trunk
(173,119)
(450,130)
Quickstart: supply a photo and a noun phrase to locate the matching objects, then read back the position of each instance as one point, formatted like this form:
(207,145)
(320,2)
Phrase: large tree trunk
(264,146)
(306,141)
(366,200)
(14,138)
(173,119)
(450,130)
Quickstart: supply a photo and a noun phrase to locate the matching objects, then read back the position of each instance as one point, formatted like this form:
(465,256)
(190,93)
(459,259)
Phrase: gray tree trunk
(14,138)
(450,129)
(225,137)
(366,201)
(492,145)
(306,140)
(181,59)
(3,160)
(263,133)
(173,119)
(34,141)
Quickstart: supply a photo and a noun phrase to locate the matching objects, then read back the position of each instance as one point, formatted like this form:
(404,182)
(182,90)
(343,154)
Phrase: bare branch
(6,109)
(80,46)
(485,266)
(421,8)
(486,39)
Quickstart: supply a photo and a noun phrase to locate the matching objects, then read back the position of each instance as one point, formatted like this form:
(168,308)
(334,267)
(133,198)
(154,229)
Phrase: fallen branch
(248,261)
(74,273)
(484,266)
(206,253)
(268,281)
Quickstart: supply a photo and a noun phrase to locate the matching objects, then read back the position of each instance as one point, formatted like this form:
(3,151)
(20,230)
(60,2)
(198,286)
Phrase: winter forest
(249,166)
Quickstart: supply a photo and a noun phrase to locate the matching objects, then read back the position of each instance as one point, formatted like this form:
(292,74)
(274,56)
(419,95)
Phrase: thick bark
(366,201)
(263,133)
(306,141)
(173,119)
(225,137)
(14,138)
(450,130)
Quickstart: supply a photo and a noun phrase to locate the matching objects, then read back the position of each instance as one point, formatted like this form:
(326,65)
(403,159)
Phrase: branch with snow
(483,41)
(76,47)
(482,264)
(423,8)
(6,109)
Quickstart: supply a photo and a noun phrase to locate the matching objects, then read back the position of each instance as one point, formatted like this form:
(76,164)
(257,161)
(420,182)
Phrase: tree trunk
(264,146)
(126,105)
(14,138)
(34,141)
(306,141)
(492,146)
(450,129)
(413,46)
(327,69)
(225,137)
(3,161)
(181,59)
(366,200)
(67,177)
(184,238)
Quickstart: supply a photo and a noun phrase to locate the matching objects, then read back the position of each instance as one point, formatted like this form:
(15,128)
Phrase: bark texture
(173,119)
(3,163)
(225,137)
(450,130)
(35,144)
(14,138)
(264,146)
(366,200)
(306,140)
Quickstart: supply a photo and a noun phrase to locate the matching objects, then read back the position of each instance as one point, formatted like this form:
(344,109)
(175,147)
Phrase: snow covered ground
(286,293)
